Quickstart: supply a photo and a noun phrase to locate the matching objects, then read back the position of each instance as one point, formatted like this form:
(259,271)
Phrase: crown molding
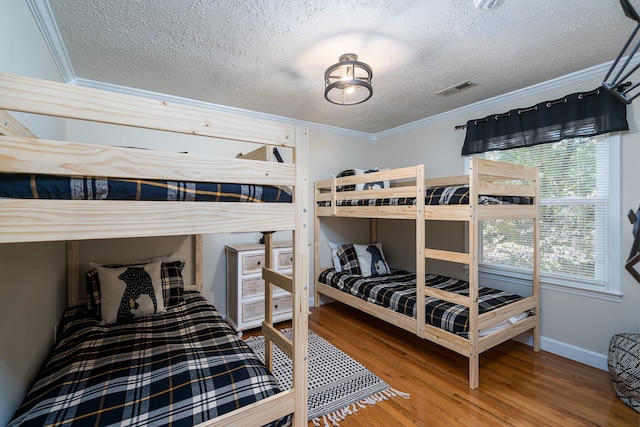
(41,11)
(43,16)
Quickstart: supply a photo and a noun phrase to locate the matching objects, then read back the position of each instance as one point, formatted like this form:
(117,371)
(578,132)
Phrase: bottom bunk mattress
(178,368)
(397,291)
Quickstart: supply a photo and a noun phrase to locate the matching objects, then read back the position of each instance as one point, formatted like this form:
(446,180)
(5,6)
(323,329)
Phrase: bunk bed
(37,215)
(492,190)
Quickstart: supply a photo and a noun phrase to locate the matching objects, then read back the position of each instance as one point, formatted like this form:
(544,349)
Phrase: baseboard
(568,351)
(560,348)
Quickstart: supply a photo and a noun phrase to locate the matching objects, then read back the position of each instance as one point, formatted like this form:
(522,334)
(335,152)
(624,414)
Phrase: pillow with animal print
(371,260)
(130,291)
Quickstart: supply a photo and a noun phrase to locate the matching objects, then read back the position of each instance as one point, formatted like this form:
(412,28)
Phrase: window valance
(577,115)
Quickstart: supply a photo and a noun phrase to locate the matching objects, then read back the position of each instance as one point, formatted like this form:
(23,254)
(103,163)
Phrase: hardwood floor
(517,386)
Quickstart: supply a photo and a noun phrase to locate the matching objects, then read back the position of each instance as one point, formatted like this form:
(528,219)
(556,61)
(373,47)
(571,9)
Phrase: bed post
(536,262)
(198,257)
(421,312)
(474,357)
(316,256)
(268,299)
(301,279)
(73,272)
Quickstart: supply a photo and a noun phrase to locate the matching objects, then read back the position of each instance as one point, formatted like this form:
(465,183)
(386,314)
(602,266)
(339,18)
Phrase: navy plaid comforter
(397,292)
(35,186)
(455,195)
(179,368)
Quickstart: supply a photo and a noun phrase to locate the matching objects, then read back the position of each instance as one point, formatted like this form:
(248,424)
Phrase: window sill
(522,277)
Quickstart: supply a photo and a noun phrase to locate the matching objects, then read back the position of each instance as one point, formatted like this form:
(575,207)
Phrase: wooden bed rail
(30,95)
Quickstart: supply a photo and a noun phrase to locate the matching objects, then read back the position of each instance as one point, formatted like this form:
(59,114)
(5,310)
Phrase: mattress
(178,368)
(37,186)
(397,292)
(441,195)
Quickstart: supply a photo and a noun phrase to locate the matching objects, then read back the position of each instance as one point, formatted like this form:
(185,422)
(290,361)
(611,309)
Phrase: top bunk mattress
(38,186)
(440,195)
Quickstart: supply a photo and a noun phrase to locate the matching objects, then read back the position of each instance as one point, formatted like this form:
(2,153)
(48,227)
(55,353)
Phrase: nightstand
(245,287)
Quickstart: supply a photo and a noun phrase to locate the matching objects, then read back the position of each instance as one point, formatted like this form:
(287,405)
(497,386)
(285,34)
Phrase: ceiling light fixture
(348,82)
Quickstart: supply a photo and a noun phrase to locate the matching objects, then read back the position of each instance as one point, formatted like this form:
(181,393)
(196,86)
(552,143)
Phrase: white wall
(32,288)
(575,326)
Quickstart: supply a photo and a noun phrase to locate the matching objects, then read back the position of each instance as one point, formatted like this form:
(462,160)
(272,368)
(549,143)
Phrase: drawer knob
(258,262)
(276,306)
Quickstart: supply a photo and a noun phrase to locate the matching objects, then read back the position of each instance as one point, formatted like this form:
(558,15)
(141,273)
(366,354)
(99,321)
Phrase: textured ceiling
(270,56)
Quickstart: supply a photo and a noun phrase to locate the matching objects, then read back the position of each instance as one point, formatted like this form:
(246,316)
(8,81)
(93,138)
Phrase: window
(579,210)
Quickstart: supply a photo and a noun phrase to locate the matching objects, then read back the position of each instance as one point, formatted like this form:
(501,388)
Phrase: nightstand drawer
(252,263)
(252,287)
(255,310)
(284,260)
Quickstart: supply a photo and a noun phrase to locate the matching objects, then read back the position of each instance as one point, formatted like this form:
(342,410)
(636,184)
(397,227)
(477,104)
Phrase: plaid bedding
(455,195)
(36,186)
(180,368)
(397,292)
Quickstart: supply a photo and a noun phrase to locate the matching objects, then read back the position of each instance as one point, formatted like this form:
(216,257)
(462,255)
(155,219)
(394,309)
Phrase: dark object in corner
(634,256)
(619,87)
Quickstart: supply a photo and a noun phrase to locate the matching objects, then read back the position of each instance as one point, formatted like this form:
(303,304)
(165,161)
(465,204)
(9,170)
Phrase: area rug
(338,385)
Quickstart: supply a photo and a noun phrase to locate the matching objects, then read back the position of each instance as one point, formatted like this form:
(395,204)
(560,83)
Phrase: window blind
(573,205)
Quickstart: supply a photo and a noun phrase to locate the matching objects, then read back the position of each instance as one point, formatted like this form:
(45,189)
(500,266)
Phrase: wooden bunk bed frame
(72,220)
(485,177)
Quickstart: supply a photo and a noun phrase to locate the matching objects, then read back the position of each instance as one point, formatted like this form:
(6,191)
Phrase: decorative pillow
(334,256)
(171,276)
(376,185)
(130,292)
(348,259)
(172,283)
(346,172)
(371,259)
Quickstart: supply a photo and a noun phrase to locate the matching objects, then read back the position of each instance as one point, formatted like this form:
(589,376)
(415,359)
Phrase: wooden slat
(384,193)
(490,341)
(379,312)
(256,414)
(491,169)
(499,189)
(447,340)
(25,94)
(447,181)
(49,220)
(459,257)
(27,155)
(278,279)
(264,153)
(501,314)
(448,212)
(448,296)
(272,334)
(10,126)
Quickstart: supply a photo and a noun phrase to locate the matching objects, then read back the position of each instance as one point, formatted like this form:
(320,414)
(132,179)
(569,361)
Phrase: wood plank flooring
(517,386)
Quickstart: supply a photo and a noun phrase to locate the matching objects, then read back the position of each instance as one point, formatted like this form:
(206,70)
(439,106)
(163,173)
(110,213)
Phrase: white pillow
(130,291)
(334,256)
(371,260)
(375,185)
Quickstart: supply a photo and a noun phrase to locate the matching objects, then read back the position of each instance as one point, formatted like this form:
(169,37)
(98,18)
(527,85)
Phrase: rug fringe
(333,418)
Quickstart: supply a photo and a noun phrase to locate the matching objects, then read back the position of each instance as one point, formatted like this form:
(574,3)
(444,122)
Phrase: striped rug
(338,385)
